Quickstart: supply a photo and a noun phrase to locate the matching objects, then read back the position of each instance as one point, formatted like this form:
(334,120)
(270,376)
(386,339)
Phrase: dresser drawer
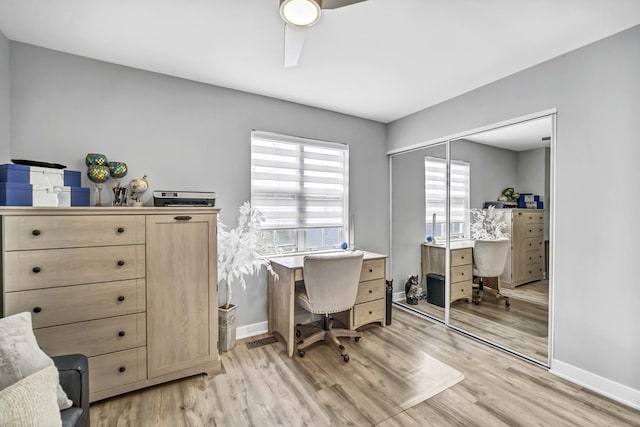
(461,273)
(373,311)
(533,243)
(534,257)
(534,230)
(372,269)
(461,257)
(534,218)
(461,290)
(60,267)
(45,232)
(533,272)
(94,337)
(69,304)
(370,290)
(116,369)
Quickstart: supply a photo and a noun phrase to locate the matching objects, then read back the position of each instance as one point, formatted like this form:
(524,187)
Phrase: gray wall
(4,99)
(533,177)
(596,90)
(492,169)
(183,135)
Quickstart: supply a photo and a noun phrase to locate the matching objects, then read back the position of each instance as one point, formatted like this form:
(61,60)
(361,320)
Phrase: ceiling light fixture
(301,13)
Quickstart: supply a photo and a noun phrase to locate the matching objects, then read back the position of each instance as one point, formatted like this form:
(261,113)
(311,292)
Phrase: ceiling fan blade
(293,43)
(334,4)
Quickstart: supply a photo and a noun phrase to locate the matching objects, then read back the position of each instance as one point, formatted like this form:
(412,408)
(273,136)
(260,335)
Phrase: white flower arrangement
(488,224)
(240,250)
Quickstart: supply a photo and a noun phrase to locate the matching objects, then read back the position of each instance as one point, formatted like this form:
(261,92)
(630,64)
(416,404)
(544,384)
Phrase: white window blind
(436,196)
(299,183)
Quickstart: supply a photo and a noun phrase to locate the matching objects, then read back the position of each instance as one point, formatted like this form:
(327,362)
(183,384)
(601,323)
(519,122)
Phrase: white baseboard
(601,385)
(397,296)
(252,330)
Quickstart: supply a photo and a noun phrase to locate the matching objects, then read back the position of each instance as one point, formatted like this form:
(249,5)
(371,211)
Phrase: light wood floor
(523,328)
(263,387)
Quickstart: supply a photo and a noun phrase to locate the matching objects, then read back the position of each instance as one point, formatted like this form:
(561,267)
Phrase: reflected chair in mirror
(331,286)
(489,260)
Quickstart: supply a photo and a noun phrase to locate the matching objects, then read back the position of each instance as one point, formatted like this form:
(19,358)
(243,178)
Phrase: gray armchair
(74,379)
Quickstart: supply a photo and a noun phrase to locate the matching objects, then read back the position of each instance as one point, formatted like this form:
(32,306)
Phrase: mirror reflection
(413,224)
(500,188)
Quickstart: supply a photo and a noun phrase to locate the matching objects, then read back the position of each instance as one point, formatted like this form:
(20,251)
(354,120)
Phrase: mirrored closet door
(480,257)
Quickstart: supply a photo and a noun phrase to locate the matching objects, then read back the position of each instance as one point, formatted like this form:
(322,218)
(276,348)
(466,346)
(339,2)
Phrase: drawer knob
(370,313)
(120,230)
(462,274)
(371,270)
(462,257)
(122,369)
(36,269)
(121,298)
(36,232)
(37,309)
(121,263)
(121,334)
(370,291)
(182,218)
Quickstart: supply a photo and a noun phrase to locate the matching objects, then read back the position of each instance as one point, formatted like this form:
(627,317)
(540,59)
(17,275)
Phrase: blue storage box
(15,194)
(72,179)
(80,196)
(15,173)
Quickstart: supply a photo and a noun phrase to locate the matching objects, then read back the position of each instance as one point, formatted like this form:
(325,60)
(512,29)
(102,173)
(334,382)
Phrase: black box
(435,289)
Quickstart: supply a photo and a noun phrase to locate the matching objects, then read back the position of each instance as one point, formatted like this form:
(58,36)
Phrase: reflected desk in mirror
(461,271)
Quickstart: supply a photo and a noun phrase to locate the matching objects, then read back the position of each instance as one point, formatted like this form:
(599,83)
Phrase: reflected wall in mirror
(410,227)
(509,303)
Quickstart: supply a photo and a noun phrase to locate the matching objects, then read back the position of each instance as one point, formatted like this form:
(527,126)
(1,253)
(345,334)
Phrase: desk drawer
(461,273)
(534,218)
(533,272)
(70,304)
(116,369)
(461,290)
(61,267)
(94,337)
(46,232)
(373,311)
(371,290)
(372,269)
(461,257)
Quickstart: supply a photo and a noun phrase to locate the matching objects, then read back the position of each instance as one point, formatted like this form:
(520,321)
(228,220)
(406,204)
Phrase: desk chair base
(328,334)
(479,292)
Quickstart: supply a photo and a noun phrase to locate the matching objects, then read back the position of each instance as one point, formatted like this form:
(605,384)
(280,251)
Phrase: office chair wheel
(298,333)
(345,357)
(476,302)
(301,353)
(507,303)
(356,339)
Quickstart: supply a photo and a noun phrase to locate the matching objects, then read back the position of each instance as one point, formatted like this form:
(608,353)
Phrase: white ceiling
(380,59)
(517,137)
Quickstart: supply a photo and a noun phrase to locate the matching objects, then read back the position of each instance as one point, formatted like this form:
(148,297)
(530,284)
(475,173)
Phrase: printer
(184,198)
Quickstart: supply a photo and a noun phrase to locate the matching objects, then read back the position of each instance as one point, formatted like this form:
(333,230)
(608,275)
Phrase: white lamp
(301,13)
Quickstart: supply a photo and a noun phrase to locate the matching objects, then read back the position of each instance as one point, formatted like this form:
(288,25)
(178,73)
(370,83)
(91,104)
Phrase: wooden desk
(433,261)
(370,302)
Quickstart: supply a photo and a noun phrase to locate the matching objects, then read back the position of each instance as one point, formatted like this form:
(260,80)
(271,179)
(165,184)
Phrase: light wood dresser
(461,274)
(525,261)
(134,289)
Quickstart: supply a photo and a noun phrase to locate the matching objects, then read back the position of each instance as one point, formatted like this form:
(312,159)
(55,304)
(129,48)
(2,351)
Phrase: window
(300,186)
(435,184)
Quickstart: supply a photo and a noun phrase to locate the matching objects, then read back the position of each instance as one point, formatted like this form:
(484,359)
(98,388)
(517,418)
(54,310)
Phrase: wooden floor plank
(264,387)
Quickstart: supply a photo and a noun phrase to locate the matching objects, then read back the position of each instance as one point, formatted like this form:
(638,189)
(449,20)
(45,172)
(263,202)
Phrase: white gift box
(46,177)
(51,196)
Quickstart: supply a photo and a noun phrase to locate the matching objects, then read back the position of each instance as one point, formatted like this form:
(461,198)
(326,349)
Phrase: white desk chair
(490,258)
(331,285)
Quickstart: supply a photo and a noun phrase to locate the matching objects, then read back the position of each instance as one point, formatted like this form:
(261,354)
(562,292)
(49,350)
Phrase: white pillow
(31,401)
(20,355)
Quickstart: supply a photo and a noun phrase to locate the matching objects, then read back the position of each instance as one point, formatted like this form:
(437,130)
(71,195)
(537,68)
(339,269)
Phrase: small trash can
(435,289)
(389,300)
